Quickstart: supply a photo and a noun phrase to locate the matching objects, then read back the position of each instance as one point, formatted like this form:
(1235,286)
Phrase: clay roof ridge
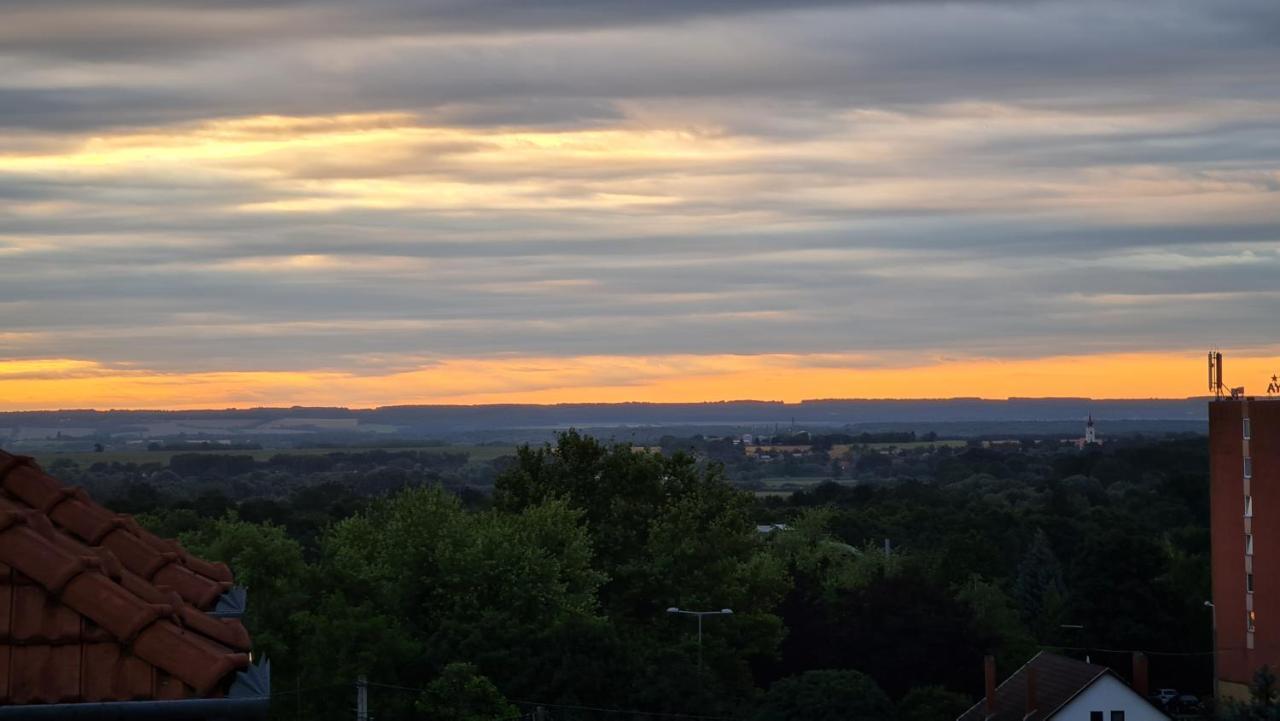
(160,625)
(229,632)
(151,557)
(152,630)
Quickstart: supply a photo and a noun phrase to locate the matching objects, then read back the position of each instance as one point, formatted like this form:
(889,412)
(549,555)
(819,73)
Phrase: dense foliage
(877,600)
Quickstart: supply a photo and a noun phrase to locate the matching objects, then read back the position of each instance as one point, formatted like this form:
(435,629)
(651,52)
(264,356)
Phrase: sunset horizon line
(67,383)
(762,401)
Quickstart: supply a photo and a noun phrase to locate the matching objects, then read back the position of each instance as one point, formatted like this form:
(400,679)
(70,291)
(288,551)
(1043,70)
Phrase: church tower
(1090,437)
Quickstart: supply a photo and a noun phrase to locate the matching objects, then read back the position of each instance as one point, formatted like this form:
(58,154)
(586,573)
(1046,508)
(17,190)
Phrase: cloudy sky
(401,201)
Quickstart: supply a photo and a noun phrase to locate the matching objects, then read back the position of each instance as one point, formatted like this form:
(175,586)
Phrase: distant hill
(447,421)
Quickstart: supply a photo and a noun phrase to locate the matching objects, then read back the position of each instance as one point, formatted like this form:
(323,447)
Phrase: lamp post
(700,614)
(1080,628)
(1213,618)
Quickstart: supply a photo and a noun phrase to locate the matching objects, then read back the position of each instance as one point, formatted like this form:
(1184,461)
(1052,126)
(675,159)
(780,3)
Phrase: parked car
(1165,696)
(1187,703)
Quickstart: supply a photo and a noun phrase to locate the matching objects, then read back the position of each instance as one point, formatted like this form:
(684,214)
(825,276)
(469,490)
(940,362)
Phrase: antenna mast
(1215,375)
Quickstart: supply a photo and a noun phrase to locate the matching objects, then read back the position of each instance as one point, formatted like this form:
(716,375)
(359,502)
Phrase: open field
(86,458)
(783,486)
(909,445)
(794,482)
(772,449)
(840,449)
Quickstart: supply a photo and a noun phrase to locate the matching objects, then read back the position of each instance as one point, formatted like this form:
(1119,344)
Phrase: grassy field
(784,486)
(793,482)
(87,458)
(908,445)
(842,448)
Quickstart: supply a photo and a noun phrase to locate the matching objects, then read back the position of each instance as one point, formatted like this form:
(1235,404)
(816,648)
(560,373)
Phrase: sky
(216,204)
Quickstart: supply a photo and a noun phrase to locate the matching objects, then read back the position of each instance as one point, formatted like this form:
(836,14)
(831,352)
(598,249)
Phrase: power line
(1090,649)
(281,694)
(624,711)
(1220,649)
(571,707)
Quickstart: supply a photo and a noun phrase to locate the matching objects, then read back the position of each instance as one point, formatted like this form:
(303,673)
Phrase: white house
(1055,687)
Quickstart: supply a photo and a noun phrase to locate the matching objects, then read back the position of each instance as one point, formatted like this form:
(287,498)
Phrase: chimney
(989,668)
(1140,682)
(1031,689)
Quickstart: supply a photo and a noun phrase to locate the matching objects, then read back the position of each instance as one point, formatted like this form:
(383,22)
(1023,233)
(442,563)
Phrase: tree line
(554,588)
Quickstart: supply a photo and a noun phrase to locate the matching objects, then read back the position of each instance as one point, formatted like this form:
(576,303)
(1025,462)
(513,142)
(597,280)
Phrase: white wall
(1109,694)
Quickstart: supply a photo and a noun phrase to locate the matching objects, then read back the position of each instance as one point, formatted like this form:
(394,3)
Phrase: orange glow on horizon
(72,383)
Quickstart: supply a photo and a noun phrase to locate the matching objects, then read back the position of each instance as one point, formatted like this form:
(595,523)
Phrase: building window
(1248,467)
(1253,618)
(1117,716)
(1248,544)
(1095,716)
(1246,429)
(1248,506)
(1248,582)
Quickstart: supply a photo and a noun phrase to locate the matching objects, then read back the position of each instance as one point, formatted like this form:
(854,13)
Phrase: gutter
(191,708)
(248,698)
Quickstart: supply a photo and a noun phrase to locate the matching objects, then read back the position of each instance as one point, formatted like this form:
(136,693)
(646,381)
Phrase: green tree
(280,585)
(1263,700)
(461,693)
(269,565)
(487,588)
(825,695)
(932,703)
(903,628)
(666,531)
(995,617)
(1121,591)
(1263,692)
(1039,589)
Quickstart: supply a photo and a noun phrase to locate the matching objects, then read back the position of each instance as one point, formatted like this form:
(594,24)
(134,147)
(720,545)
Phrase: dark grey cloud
(923,178)
(510,68)
(115,30)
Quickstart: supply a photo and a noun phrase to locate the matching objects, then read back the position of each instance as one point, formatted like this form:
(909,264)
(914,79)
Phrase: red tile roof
(95,608)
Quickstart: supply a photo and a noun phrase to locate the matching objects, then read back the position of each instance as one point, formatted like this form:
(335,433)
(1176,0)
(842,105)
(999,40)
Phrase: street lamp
(700,614)
(1213,617)
(1080,628)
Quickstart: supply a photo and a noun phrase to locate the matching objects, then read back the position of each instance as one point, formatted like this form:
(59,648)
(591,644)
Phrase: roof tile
(95,608)
(136,556)
(188,656)
(88,522)
(111,606)
(193,587)
(29,485)
(110,674)
(6,607)
(168,688)
(45,674)
(38,557)
(38,619)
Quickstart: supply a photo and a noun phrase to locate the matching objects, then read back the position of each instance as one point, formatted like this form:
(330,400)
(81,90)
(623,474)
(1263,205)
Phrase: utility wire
(291,692)
(1090,649)
(577,708)
(1220,649)
(625,711)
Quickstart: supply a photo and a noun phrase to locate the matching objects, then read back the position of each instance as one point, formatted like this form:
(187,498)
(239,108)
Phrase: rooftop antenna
(1215,374)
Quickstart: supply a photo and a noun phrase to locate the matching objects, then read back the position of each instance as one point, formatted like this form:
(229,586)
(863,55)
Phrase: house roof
(1058,680)
(95,608)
